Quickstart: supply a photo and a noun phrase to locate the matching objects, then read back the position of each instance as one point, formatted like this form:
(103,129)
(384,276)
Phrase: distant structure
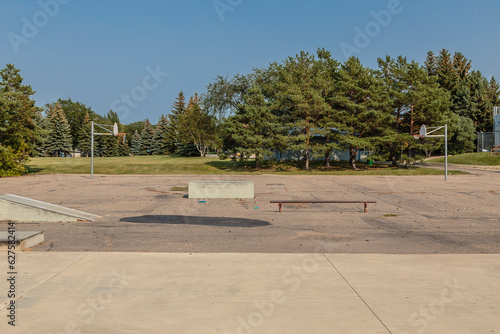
(488,140)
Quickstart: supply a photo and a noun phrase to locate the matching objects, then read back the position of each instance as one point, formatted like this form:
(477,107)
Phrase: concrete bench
(280,203)
(221,189)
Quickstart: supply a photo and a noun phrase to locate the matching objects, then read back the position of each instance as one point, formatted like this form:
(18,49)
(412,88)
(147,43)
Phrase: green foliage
(197,127)
(254,129)
(362,109)
(19,131)
(84,136)
(59,138)
(160,136)
(223,96)
(135,147)
(172,140)
(300,85)
(75,114)
(147,139)
(130,129)
(12,160)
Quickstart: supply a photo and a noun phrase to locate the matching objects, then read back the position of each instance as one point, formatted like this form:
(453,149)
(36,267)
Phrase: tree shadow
(193,220)
(33,170)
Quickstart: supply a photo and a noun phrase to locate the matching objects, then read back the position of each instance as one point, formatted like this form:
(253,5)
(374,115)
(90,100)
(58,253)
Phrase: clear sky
(117,53)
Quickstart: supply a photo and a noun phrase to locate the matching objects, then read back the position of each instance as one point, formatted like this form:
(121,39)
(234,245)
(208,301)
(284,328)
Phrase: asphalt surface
(413,215)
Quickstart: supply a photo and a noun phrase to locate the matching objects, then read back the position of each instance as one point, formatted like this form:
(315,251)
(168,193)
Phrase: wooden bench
(280,203)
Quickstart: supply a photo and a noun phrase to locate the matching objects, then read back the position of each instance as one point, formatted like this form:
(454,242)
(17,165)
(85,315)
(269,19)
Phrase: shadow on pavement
(192,220)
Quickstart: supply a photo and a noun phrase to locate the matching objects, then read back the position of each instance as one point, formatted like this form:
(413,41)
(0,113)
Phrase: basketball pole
(446,152)
(92,151)
(424,132)
(108,132)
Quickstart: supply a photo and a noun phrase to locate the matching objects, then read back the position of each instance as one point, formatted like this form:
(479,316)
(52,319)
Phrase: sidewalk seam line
(56,274)
(373,312)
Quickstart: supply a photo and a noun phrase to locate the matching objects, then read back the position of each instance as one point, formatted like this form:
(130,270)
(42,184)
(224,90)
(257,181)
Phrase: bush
(12,162)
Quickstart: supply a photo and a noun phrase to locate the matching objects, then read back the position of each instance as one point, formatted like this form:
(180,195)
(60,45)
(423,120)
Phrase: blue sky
(97,52)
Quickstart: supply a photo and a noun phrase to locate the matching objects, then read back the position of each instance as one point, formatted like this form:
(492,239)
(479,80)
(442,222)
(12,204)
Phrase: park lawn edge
(165,165)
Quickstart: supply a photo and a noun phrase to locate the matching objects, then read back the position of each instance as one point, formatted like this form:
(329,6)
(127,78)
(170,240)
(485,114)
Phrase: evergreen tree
(147,136)
(430,64)
(254,129)
(75,113)
(40,145)
(448,78)
(123,148)
(494,92)
(362,109)
(135,147)
(301,83)
(84,136)
(172,132)
(18,128)
(461,65)
(160,136)
(112,117)
(416,99)
(131,128)
(59,139)
(110,146)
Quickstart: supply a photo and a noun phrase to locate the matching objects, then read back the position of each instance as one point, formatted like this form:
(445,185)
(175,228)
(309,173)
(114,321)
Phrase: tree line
(314,104)
(309,103)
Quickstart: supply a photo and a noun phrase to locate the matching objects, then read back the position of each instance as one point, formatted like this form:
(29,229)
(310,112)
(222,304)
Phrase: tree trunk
(257,161)
(394,160)
(307,159)
(352,158)
(327,160)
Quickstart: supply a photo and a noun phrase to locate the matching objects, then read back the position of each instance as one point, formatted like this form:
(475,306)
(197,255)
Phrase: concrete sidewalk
(253,293)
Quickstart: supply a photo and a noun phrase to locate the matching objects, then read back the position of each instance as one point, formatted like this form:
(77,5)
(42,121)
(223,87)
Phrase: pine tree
(40,145)
(147,136)
(18,127)
(362,109)
(172,133)
(430,64)
(461,65)
(254,129)
(494,92)
(160,136)
(123,148)
(448,78)
(135,147)
(59,139)
(84,136)
(301,83)
(75,115)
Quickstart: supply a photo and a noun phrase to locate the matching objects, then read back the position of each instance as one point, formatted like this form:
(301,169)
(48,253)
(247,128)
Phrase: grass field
(179,165)
(479,159)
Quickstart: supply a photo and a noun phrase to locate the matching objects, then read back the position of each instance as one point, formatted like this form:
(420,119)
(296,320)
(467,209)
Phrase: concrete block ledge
(221,189)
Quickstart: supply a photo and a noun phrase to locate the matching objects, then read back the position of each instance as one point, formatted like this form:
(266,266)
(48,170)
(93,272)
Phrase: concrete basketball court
(414,215)
(424,259)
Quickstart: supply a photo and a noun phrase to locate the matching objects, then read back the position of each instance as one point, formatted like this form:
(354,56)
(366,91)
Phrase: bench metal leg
(279,205)
(366,207)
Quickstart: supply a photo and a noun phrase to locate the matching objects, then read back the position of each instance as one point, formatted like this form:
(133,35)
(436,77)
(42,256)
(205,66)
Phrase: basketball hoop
(429,133)
(423,132)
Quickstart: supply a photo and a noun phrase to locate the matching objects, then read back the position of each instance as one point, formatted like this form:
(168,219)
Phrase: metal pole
(446,152)
(92,150)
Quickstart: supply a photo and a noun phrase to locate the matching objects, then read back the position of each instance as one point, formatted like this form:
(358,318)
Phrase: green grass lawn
(164,164)
(480,159)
